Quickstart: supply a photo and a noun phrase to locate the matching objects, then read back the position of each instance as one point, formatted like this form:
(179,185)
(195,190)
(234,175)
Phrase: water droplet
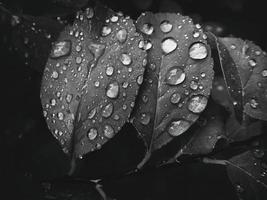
(168,45)
(254,103)
(69,98)
(109,70)
(92,113)
(92,133)
(53,102)
(54,74)
(165,26)
(264,73)
(121,35)
(175,76)
(125,85)
(114,18)
(239,188)
(197,104)
(78,48)
(258,153)
(175,98)
(15,20)
(252,62)
(60,49)
(145,119)
(45,113)
(147,29)
(108,110)
(106,31)
(97,49)
(78,60)
(144,98)
(60,116)
(233,46)
(176,128)
(196,34)
(139,79)
(125,59)
(112,90)
(108,131)
(198,51)
(193,85)
(97,83)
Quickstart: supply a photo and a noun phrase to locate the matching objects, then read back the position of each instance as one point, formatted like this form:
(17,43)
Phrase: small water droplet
(253,103)
(176,128)
(114,18)
(264,73)
(144,98)
(252,62)
(92,113)
(125,59)
(147,29)
(78,60)
(168,45)
(60,49)
(108,110)
(53,102)
(45,113)
(89,13)
(60,116)
(145,119)
(233,46)
(139,79)
(112,90)
(196,34)
(97,83)
(109,70)
(193,85)
(106,31)
(175,76)
(54,74)
(258,153)
(239,188)
(78,48)
(197,104)
(92,133)
(69,98)
(108,131)
(198,51)
(121,35)
(125,85)
(175,98)
(165,26)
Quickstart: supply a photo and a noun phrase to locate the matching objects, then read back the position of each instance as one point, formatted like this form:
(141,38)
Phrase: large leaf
(177,80)
(91,79)
(244,68)
(248,173)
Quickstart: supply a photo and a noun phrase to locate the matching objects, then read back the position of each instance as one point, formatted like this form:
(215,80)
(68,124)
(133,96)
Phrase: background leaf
(177,80)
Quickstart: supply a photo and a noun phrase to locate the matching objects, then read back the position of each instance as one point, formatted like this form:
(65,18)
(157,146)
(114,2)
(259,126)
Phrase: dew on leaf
(106,30)
(168,45)
(175,98)
(145,118)
(107,110)
(175,76)
(197,104)
(258,153)
(178,127)
(139,79)
(54,74)
(92,113)
(108,131)
(125,59)
(198,51)
(97,49)
(264,73)
(60,49)
(69,98)
(53,102)
(89,13)
(252,62)
(113,90)
(114,18)
(254,103)
(121,35)
(60,116)
(165,26)
(147,29)
(92,133)
(109,70)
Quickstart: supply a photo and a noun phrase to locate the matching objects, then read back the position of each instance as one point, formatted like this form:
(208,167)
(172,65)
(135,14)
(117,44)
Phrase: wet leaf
(244,67)
(177,80)
(31,37)
(248,173)
(91,79)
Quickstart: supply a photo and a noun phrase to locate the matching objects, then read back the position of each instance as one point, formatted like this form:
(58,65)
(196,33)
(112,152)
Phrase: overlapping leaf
(91,79)
(244,67)
(177,80)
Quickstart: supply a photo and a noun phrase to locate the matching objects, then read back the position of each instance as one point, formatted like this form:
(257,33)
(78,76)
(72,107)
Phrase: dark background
(30,155)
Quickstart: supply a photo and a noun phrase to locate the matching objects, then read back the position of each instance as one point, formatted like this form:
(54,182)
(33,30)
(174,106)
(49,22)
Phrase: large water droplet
(176,128)
(112,90)
(175,76)
(197,104)
(60,49)
(198,51)
(125,59)
(121,35)
(145,118)
(175,98)
(168,45)
(92,133)
(106,31)
(147,29)
(109,70)
(165,26)
(108,110)
(97,49)
(108,131)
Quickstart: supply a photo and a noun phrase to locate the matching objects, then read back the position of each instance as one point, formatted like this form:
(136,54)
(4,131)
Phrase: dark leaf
(248,173)
(91,79)
(177,80)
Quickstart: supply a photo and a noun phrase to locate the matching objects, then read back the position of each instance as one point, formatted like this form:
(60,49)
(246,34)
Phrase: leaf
(247,172)
(244,67)
(31,37)
(91,80)
(177,80)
